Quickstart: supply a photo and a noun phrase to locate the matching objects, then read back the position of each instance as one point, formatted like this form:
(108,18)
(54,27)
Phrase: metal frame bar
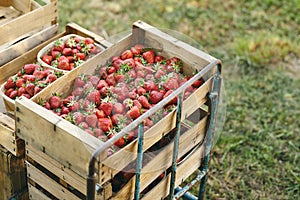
(91,176)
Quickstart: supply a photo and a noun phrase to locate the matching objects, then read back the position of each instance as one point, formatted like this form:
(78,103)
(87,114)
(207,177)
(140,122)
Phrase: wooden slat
(57,168)
(35,193)
(55,136)
(48,184)
(9,53)
(7,14)
(23,5)
(159,163)
(184,170)
(40,17)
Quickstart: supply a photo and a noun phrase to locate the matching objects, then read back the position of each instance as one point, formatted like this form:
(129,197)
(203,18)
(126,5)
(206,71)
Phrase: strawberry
(141,91)
(39,75)
(80,56)
(13,94)
(78,92)
(144,101)
(91,120)
(64,65)
(37,89)
(106,107)
(51,78)
(155,96)
(29,78)
(137,103)
(67,51)
(73,105)
(115,118)
(26,95)
(101,84)
(126,54)
(110,80)
(65,110)
(111,70)
(120,142)
(138,48)
(21,91)
(173,101)
(94,96)
(132,94)
(159,58)
(98,133)
(29,68)
(88,40)
(159,73)
(150,85)
(10,83)
(30,88)
(134,112)
(118,108)
(83,125)
(47,59)
(20,82)
(58,45)
(55,54)
(79,81)
(105,124)
(197,83)
(149,56)
(78,117)
(55,102)
(94,80)
(7,92)
(171,84)
(100,113)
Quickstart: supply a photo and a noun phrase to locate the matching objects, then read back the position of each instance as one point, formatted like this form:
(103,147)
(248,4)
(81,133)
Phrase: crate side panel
(56,137)
(48,184)
(40,16)
(35,193)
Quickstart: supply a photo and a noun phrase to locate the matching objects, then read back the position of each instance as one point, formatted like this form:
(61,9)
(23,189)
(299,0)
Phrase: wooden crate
(7,124)
(72,147)
(14,41)
(13,183)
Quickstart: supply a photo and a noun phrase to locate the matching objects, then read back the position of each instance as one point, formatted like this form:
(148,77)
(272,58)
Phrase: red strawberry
(80,56)
(137,103)
(144,101)
(120,142)
(30,88)
(79,81)
(26,95)
(73,105)
(98,133)
(78,117)
(10,83)
(173,101)
(64,65)
(55,102)
(13,94)
(159,73)
(94,80)
(105,124)
(20,82)
(110,80)
(78,92)
(29,78)
(150,85)
(67,51)
(141,91)
(91,120)
(106,107)
(47,59)
(65,110)
(58,45)
(83,125)
(149,56)
(115,118)
(138,48)
(111,70)
(51,78)
(156,96)
(55,54)
(94,96)
(197,83)
(88,40)
(159,58)
(37,89)
(134,112)
(118,108)
(7,92)
(100,113)
(39,75)
(29,68)
(126,54)
(21,91)
(171,84)
(101,84)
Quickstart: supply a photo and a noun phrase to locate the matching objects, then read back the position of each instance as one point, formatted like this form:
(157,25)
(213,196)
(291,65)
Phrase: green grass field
(257,155)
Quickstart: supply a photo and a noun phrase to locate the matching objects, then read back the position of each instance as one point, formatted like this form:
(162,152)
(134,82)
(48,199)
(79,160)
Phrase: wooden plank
(41,16)
(48,184)
(35,193)
(57,168)
(73,146)
(7,14)
(23,5)
(9,53)
(159,163)
(184,170)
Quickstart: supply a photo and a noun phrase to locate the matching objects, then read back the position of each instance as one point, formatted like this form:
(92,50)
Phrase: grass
(257,155)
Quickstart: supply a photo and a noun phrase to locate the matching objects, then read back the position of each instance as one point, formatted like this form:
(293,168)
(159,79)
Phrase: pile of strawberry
(29,81)
(69,54)
(117,93)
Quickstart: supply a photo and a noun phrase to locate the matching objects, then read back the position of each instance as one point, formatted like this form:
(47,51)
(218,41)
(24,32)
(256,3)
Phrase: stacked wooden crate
(58,152)
(23,25)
